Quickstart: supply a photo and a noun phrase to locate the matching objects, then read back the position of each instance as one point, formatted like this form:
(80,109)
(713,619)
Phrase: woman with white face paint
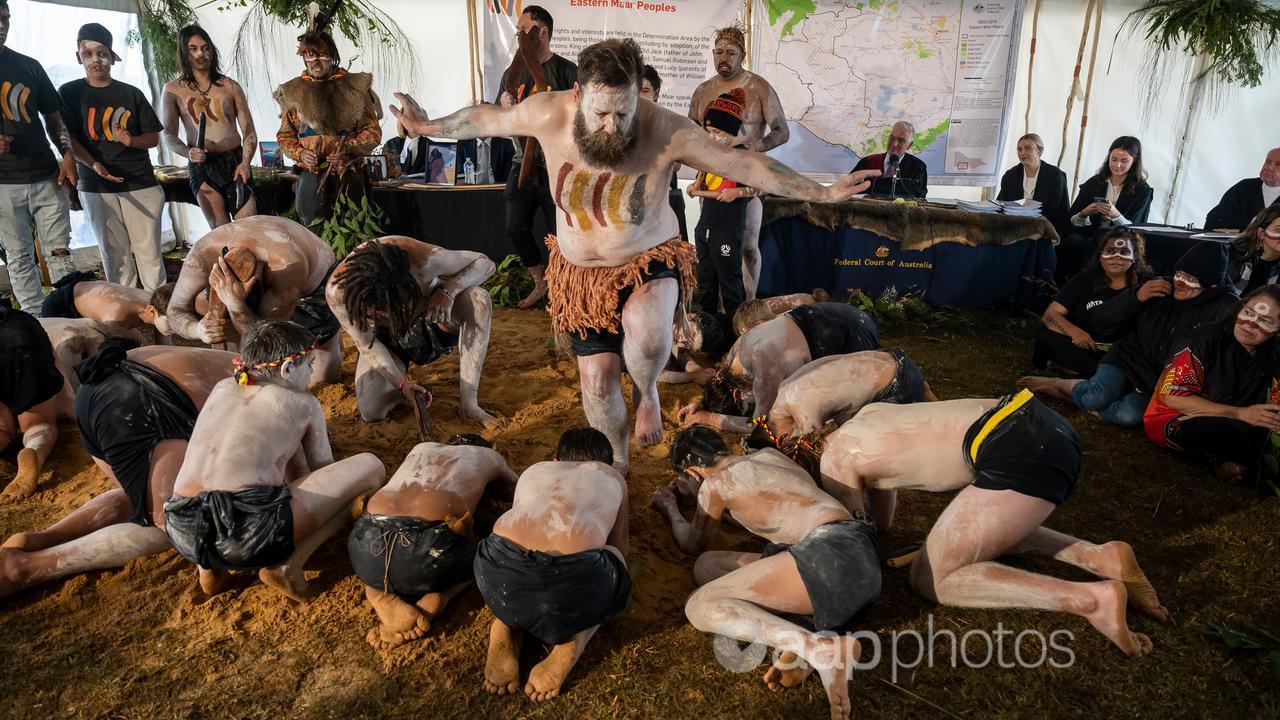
(1212,398)
(1118,194)
(1253,259)
(1071,342)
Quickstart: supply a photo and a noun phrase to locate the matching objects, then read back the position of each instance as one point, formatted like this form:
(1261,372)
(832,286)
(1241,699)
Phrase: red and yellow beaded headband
(241,373)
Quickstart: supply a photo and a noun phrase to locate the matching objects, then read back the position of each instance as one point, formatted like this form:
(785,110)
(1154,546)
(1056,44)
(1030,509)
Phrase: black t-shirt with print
(561,74)
(1079,297)
(25,94)
(92,114)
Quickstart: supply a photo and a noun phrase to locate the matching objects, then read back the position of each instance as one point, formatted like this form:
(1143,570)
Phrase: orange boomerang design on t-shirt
(13,101)
(607,199)
(111,117)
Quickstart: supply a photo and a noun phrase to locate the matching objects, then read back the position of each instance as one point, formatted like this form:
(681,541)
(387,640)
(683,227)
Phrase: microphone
(893,163)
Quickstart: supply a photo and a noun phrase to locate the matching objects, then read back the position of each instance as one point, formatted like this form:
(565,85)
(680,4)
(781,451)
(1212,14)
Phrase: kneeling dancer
(1014,461)
(413,548)
(618,269)
(820,562)
(258,268)
(34,396)
(259,489)
(123,311)
(555,566)
(747,382)
(407,302)
(135,413)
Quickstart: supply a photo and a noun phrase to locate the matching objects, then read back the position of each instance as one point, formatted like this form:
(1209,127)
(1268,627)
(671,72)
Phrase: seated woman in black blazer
(1253,258)
(1069,341)
(1117,195)
(1032,178)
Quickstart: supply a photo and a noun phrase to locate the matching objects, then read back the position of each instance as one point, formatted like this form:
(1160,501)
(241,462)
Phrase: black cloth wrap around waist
(61,301)
(838,564)
(1032,450)
(907,385)
(422,344)
(551,597)
(123,410)
(28,374)
(246,529)
(312,312)
(409,556)
(835,329)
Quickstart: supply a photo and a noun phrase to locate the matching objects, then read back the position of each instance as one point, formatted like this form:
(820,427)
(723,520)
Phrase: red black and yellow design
(606,198)
(212,108)
(1183,376)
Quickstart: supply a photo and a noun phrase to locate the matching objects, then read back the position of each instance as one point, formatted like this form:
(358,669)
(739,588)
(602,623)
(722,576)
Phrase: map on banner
(846,71)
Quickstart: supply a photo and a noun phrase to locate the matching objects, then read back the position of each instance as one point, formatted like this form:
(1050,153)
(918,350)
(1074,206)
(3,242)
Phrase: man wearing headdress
(328,123)
(764,126)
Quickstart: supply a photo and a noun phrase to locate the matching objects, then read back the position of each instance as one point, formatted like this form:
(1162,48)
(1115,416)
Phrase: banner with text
(675,36)
(847,71)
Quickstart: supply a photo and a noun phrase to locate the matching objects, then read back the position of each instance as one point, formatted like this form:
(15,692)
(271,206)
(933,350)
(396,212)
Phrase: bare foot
(1142,594)
(535,296)
(1053,387)
(25,480)
(547,676)
(648,422)
(788,671)
(288,582)
(19,541)
(1228,472)
(502,666)
(213,582)
(11,572)
(475,414)
(1108,617)
(399,623)
(834,658)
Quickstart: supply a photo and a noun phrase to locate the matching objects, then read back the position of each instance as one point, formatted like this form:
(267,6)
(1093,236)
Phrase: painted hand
(233,292)
(212,330)
(688,411)
(439,306)
(851,184)
(663,500)
(409,389)
(242,173)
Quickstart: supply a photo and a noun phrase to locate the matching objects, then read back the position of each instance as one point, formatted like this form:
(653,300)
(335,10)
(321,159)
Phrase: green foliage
(356,20)
(158,26)
(349,224)
(1252,638)
(1236,39)
(890,307)
(510,283)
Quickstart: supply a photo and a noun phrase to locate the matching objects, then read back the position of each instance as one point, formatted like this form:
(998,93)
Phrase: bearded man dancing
(619,270)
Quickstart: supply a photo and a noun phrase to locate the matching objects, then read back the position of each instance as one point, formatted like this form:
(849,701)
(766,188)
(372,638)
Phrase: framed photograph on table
(377,167)
(440,158)
(271,155)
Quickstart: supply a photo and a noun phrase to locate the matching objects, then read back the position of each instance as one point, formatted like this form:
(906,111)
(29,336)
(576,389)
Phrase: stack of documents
(982,206)
(1024,208)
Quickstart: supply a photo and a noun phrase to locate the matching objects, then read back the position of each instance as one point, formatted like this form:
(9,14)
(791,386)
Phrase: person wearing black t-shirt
(533,28)
(113,128)
(1070,341)
(1253,258)
(30,176)
(1212,397)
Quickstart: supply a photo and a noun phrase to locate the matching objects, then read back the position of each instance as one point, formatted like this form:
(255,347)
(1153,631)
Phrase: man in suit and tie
(910,171)
(491,157)
(1244,200)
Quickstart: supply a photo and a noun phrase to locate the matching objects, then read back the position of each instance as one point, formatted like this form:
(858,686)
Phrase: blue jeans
(45,207)
(1110,394)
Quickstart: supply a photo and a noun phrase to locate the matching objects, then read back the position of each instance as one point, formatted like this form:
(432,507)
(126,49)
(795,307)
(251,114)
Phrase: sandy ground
(143,641)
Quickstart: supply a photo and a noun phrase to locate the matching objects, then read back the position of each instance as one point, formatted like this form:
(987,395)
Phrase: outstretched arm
(700,151)
(527,118)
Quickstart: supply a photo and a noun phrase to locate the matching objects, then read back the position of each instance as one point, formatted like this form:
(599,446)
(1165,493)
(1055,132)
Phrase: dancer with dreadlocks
(259,489)
(254,269)
(328,123)
(619,270)
(221,139)
(764,127)
(820,561)
(405,302)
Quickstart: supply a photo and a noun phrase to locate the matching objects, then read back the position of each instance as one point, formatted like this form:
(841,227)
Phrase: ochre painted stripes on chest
(591,199)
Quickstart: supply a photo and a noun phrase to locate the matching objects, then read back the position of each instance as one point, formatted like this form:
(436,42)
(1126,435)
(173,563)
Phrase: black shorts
(835,329)
(218,171)
(425,343)
(1024,446)
(907,385)
(551,597)
(123,410)
(28,373)
(409,556)
(594,342)
(61,301)
(840,570)
(312,312)
(247,529)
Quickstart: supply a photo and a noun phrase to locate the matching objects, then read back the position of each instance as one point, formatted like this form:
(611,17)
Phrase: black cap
(94,32)
(1206,262)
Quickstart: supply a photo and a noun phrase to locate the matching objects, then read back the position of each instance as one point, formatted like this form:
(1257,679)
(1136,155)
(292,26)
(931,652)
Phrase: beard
(600,148)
